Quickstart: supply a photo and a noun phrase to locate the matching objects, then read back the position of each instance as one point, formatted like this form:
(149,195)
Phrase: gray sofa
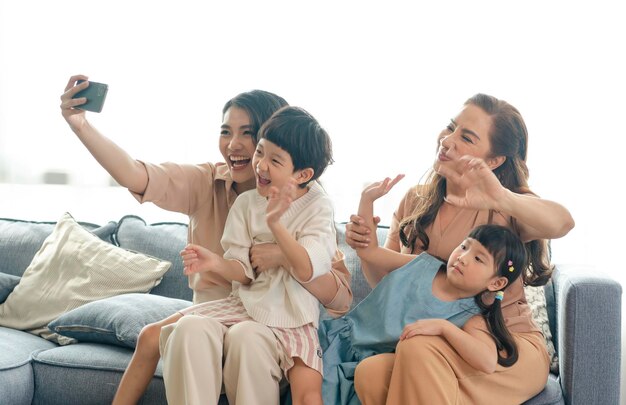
(584,311)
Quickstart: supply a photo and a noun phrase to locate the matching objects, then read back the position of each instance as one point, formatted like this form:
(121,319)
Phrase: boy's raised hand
(197,259)
(378,189)
(279,201)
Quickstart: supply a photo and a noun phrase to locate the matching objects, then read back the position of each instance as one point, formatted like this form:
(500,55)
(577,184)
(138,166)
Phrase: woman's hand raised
(75,117)
(472,183)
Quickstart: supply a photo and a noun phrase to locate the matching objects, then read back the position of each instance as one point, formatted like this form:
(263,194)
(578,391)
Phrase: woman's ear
(498,283)
(495,162)
(304,175)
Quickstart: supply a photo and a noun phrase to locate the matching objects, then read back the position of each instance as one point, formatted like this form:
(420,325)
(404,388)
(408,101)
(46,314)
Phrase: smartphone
(96,93)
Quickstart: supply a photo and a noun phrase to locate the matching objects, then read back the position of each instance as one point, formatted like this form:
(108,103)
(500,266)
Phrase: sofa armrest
(588,313)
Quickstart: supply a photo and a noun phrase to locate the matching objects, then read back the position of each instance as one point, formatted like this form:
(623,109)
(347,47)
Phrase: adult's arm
(537,218)
(472,184)
(127,171)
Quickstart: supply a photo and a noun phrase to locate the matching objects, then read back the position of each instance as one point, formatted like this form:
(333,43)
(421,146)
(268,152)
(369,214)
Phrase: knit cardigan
(274,297)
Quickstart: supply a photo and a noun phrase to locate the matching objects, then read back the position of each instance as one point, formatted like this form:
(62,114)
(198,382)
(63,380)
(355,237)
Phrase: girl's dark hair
(259,104)
(509,138)
(297,132)
(510,258)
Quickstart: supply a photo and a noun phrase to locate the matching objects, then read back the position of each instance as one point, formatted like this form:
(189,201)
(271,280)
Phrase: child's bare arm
(377,261)
(472,343)
(197,259)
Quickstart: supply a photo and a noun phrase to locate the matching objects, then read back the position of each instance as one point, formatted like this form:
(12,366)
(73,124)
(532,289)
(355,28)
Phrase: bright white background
(382,77)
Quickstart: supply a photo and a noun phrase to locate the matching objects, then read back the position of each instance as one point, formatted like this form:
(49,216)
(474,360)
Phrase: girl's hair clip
(511,268)
(500,295)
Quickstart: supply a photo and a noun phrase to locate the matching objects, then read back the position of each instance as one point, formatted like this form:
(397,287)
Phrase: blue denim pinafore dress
(374,325)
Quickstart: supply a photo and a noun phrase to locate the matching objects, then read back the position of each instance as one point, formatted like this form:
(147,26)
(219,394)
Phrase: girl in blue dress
(459,300)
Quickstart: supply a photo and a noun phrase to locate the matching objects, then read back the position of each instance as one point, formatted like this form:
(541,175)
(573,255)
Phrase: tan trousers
(427,370)
(196,349)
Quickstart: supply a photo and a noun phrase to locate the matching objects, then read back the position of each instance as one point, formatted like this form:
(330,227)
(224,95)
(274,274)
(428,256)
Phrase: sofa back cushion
(163,240)
(20,240)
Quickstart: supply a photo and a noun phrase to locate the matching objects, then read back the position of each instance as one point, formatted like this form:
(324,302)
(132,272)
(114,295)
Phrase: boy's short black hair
(298,132)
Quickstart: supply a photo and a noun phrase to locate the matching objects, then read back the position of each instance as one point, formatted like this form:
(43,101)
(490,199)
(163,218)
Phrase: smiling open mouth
(238,162)
(263,181)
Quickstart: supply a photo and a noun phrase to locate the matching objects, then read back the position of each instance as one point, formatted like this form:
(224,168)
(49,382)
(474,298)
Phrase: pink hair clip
(511,268)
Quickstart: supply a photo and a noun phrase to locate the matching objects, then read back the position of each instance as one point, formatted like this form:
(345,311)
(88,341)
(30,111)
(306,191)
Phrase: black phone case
(96,94)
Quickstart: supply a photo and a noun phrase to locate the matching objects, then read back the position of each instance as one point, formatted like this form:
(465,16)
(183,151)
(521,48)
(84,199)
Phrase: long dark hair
(510,258)
(259,104)
(508,137)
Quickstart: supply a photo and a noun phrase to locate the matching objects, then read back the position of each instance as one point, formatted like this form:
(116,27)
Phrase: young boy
(287,207)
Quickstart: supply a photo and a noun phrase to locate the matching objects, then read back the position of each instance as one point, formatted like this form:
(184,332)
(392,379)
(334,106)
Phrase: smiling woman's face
(237,145)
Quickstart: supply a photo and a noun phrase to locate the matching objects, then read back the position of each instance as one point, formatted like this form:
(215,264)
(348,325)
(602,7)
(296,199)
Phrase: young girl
(426,297)
(205,192)
(479,176)
(293,151)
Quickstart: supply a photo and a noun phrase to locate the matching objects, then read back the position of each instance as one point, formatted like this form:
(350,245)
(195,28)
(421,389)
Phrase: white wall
(382,77)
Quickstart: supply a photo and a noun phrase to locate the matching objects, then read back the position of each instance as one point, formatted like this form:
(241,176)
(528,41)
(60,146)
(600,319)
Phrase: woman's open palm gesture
(473,183)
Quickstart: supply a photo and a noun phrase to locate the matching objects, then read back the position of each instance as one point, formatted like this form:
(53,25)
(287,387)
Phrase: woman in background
(479,177)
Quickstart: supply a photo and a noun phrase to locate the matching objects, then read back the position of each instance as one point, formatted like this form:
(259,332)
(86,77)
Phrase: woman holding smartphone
(205,192)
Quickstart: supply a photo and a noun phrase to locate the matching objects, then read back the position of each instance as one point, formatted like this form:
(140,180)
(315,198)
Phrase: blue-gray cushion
(17,381)
(163,240)
(20,240)
(116,320)
(7,284)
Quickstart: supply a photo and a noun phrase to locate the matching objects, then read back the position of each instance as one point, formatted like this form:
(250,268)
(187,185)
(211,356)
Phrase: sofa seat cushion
(16,374)
(86,373)
(16,347)
(551,395)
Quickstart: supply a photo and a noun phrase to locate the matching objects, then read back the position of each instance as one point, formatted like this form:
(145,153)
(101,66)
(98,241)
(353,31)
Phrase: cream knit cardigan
(274,297)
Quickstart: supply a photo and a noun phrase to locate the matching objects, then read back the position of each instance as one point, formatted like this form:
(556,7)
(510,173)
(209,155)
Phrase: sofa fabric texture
(33,370)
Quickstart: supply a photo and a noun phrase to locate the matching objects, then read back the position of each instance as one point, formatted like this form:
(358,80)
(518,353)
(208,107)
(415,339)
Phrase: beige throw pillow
(74,267)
